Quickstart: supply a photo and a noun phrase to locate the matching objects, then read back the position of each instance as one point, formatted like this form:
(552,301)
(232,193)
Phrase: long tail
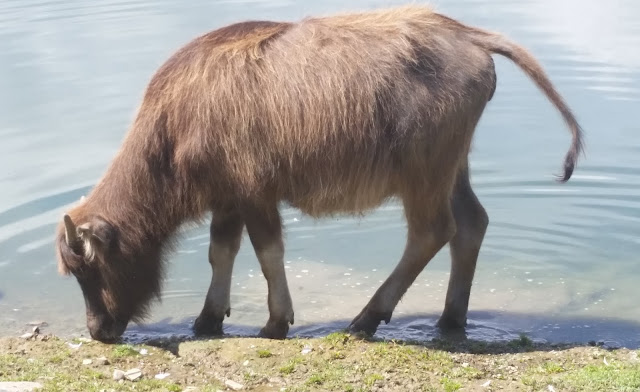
(497,43)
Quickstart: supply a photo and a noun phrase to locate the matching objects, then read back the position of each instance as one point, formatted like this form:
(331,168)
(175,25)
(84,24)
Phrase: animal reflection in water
(332,115)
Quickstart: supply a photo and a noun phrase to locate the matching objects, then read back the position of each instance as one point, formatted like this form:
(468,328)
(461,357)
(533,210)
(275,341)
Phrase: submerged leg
(226,235)
(265,231)
(471,222)
(430,226)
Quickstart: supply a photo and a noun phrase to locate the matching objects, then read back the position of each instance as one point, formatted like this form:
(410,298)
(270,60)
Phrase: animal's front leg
(265,231)
(226,235)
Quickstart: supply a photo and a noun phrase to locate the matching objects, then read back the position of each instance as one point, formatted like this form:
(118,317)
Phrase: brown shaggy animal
(330,115)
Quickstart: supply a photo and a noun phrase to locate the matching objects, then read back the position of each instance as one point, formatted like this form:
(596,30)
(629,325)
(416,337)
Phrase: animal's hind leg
(471,222)
(265,231)
(430,226)
(226,235)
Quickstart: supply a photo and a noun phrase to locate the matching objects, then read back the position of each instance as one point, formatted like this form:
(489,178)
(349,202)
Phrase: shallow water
(559,262)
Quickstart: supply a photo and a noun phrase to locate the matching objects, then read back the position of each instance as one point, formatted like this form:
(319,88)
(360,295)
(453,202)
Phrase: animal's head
(117,276)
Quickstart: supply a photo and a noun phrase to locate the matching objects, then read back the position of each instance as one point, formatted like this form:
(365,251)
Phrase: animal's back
(331,114)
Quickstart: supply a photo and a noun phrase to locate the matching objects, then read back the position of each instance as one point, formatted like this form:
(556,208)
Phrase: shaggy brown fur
(332,115)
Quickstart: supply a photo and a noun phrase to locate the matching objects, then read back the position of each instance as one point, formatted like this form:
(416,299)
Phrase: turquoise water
(560,262)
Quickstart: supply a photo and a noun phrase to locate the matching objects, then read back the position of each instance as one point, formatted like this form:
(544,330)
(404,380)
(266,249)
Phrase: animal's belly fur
(321,193)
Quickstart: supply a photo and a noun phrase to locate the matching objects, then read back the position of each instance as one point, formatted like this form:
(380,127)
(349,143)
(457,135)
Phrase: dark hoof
(367,322)
(447,323)
(275,330)
(208,326)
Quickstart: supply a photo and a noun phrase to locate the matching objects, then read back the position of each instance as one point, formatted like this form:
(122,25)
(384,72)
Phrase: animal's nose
(105,329)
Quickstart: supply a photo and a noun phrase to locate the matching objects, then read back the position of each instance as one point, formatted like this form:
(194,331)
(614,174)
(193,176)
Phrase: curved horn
(70,230)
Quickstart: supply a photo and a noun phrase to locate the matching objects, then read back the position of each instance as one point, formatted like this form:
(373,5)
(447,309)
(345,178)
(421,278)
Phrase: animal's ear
(97,236)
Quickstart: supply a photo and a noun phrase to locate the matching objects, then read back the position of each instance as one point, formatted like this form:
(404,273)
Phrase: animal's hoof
(208,326)
(450,323)
(367,322)
(275,330)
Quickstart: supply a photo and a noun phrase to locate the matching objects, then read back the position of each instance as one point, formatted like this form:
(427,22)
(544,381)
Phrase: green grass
(337,338)
(336,355)
(124,350)
(58,371)
(14,368)
(372,378)
(523,342)
(59,358)
(330,377)
(56,379)
(449,385)
(338,362)
(552,368)
(316,378)
(615,377)
(290,366)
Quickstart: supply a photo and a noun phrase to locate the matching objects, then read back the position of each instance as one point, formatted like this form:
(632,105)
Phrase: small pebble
(144,351)
(27,335)
(118,375)
(161,376)
(133,374)
(87,362)
(306,350)
(611,345)
(102,361)
(74,346)
(276,380)
(245,363)
(233,385)
(486,384)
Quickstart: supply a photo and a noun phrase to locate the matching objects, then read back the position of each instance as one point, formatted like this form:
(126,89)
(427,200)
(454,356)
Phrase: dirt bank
(338,362)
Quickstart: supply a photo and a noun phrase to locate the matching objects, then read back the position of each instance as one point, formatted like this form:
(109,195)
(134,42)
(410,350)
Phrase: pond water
(559,262)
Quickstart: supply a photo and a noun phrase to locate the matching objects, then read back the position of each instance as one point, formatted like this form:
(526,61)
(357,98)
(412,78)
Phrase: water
(559,262)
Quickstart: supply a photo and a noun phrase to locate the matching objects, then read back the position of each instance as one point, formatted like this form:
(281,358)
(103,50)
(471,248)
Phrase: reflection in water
(557,261)
(604,38)
(485,326)
(599,33)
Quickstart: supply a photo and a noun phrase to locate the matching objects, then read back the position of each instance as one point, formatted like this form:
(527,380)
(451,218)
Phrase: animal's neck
(138,199)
